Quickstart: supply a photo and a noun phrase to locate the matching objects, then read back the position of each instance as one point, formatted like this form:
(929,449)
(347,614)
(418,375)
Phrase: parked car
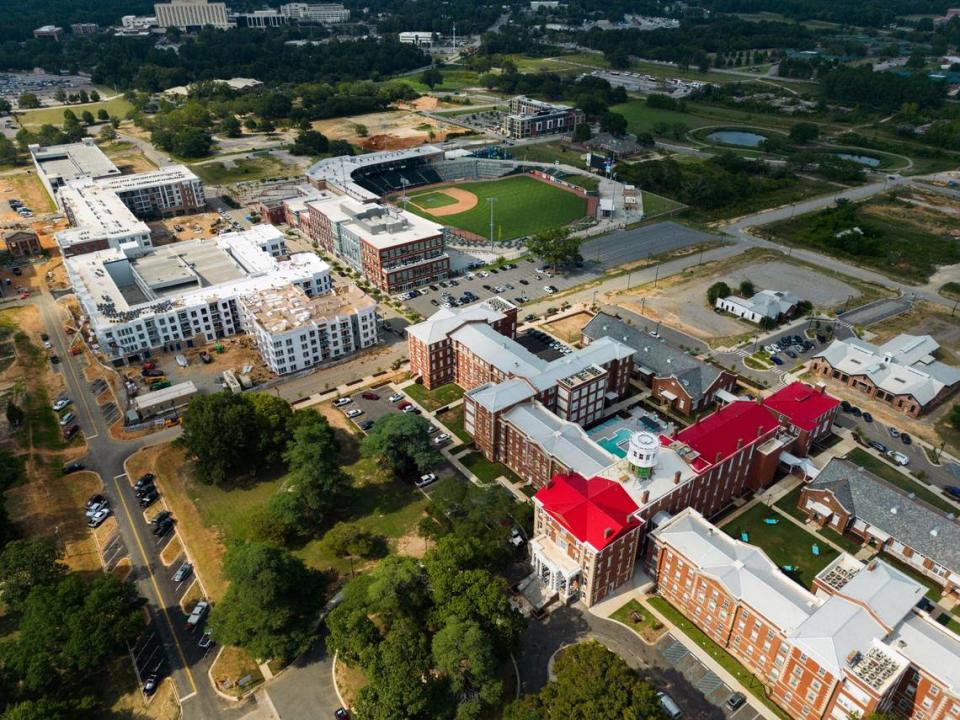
(149,365)
(160,517)
(549,289)
(143,481)
(197,614)
(867,417)
(857,412)
(432,430)
(894,433)
(96,501)
(412,409)
(735,701)
(441,439)
(159,385)
(396,397)
(73,467)
(370,396)
(669,706)
(151,373)
(69,432)
(144,489)
(151,684)
(906,439)
(67,419)
(426,480)
(355,412)
(878,446)
(899,458)
(341,714)
(205,640)
(953,491)
(149,497)
(516,537)
(366,425)
(775,360)
(205,357)
(845,406)
(99,517)
(340,402)
(404,405)
(161,528)
(61,403)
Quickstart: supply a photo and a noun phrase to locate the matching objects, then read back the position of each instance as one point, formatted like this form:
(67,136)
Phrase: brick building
(848,498)
(806,412)
(678,380)
(903,372)
(585,537)
(394,249)
(855,646)
(22,243)
(532,118)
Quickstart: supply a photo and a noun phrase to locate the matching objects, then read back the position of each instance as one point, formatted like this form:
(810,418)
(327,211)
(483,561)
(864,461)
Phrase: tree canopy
(556,246)
(400,443)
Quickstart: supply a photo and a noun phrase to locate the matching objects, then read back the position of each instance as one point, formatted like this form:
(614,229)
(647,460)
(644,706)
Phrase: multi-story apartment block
(191,293)
(99,221)
(171,190)
(191,15)
(851,499)
(585,537)
(322,14)
(531,118)
(856,646)
(394,249)
(678,380)
(903,372)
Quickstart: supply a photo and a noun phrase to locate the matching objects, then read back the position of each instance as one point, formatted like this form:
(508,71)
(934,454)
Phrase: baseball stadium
(462,193)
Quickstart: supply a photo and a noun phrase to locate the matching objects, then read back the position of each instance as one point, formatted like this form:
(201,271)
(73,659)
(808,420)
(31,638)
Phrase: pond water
(861,159)
(740,138)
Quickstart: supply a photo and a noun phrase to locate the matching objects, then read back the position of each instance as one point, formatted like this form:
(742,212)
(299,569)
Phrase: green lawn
(625,615)
(785,543)
(587,182)
(789,504)
(453,420)
(657,204)
(895,477)
(117,107)
(721,656)
(548,153)
(436,398)
(244,169)
(487,471)
(524,206)
(435,200)
(901,249)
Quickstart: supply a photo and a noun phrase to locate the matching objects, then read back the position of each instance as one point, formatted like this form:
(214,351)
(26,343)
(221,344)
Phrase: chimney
(676,476)
(872,565)
(607,532)
(759,430)
(823,388)
(717,458)
(740,444)
(645,498)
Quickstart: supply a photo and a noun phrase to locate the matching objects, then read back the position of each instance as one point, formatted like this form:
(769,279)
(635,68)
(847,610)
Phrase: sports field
(524,206)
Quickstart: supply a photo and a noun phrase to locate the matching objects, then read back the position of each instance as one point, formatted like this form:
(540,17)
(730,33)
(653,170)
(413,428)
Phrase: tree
(582,132)
(431,77)
(747,288)
(69,628)
(28,101)
(191,142)
(340,147)
(464,653)
(400,443)
(955,416)
(316,480)
(230,127)
(42,709)
(5,106)
(361,130)
(613,123)
(94,96)
(555,247)
(88,117)
(591,681)
(310,142)
(220,431)
(716,291)
(803,132)
(15,414)
(400,684)
(271,603)
(83,96)
(107,133)
(273,415)
(25,565)
(346,540)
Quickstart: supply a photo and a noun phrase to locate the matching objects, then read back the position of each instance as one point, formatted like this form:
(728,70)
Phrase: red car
(370,396)
(403,405)
(149,365)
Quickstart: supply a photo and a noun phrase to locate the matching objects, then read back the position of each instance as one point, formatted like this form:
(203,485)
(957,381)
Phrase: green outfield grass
(435,200)
(116,107)
(524,206)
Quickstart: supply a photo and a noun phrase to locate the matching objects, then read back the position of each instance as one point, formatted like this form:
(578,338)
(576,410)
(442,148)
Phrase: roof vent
(893,510)
(607,532)
(934,531)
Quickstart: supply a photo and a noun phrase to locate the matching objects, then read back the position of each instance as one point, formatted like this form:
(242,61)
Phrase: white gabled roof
(446,320)
(889,593)
(838,628)
(497,396)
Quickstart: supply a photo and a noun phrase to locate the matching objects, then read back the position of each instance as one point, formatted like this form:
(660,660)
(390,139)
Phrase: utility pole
(492,202)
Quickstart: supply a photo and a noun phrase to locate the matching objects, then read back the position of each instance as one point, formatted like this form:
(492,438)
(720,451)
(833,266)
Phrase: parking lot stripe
(156,588)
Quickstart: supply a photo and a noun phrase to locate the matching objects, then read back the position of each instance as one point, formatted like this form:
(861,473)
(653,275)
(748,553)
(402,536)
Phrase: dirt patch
(391,130)
(205,545)
(569,329)
(171,551)
(51,506)
(411,545)
(232,666)
(350,681)
(198,226)
(465,200)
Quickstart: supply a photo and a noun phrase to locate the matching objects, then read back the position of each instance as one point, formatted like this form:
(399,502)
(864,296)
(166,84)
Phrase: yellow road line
(156,588)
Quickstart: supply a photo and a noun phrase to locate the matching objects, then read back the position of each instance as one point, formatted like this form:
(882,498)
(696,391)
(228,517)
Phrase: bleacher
(385,182)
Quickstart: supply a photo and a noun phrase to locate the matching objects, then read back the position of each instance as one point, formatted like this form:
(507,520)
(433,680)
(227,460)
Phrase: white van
(670,706)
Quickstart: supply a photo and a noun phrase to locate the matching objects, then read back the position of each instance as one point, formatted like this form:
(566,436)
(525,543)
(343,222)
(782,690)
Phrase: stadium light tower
(492,201)
(403,183)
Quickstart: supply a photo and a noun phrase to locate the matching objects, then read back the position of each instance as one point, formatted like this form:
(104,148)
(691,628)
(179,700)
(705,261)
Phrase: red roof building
(727,431)
(585,537)
(806,411)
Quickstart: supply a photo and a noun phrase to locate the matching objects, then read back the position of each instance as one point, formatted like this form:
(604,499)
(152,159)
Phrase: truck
(230,380)
(245,381)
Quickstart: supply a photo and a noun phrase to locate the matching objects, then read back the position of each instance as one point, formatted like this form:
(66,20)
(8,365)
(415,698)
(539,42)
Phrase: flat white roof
(73,160)
(153,178)
(97,213)
(377,225)
(156,397)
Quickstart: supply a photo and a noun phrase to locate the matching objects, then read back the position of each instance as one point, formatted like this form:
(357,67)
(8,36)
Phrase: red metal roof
(802,404)
(721,432)
(595,511)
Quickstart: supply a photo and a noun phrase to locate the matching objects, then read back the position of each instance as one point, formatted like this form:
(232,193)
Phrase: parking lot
(524,284)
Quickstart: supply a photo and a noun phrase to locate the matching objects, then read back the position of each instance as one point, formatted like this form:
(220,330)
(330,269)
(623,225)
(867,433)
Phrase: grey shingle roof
(878,503)
(663,359)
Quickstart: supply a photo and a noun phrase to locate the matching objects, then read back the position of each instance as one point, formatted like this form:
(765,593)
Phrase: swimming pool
(612,444)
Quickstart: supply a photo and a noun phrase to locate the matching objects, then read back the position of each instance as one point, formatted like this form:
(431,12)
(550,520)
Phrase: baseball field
(523,206)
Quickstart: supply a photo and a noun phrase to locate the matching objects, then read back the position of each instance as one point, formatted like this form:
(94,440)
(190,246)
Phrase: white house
(772,304)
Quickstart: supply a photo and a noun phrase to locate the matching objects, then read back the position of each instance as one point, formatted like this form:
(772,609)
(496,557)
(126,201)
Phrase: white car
(396,397)
(441,439)
(899,458)
(199,610)
(410,409)
(342,401)
(516,537)
(99,517)
(182,360)
(356,412)
(483,274)
(549,289)
(67,419)
(61,404)
(425,480)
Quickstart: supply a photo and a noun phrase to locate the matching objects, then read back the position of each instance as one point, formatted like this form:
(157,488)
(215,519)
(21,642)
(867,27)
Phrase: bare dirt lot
(389,130)
(26,188)
(569,328)
(198,226)
(681,301)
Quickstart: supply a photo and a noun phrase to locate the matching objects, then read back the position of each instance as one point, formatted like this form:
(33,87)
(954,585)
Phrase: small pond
(740,138)
(860,159)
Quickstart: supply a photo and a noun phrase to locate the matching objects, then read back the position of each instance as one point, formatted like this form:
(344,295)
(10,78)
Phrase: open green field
(244,169)
(784,543)
(436,398)
(657,204)
(117,107)
(487,471)
(524,206)
(549,152)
